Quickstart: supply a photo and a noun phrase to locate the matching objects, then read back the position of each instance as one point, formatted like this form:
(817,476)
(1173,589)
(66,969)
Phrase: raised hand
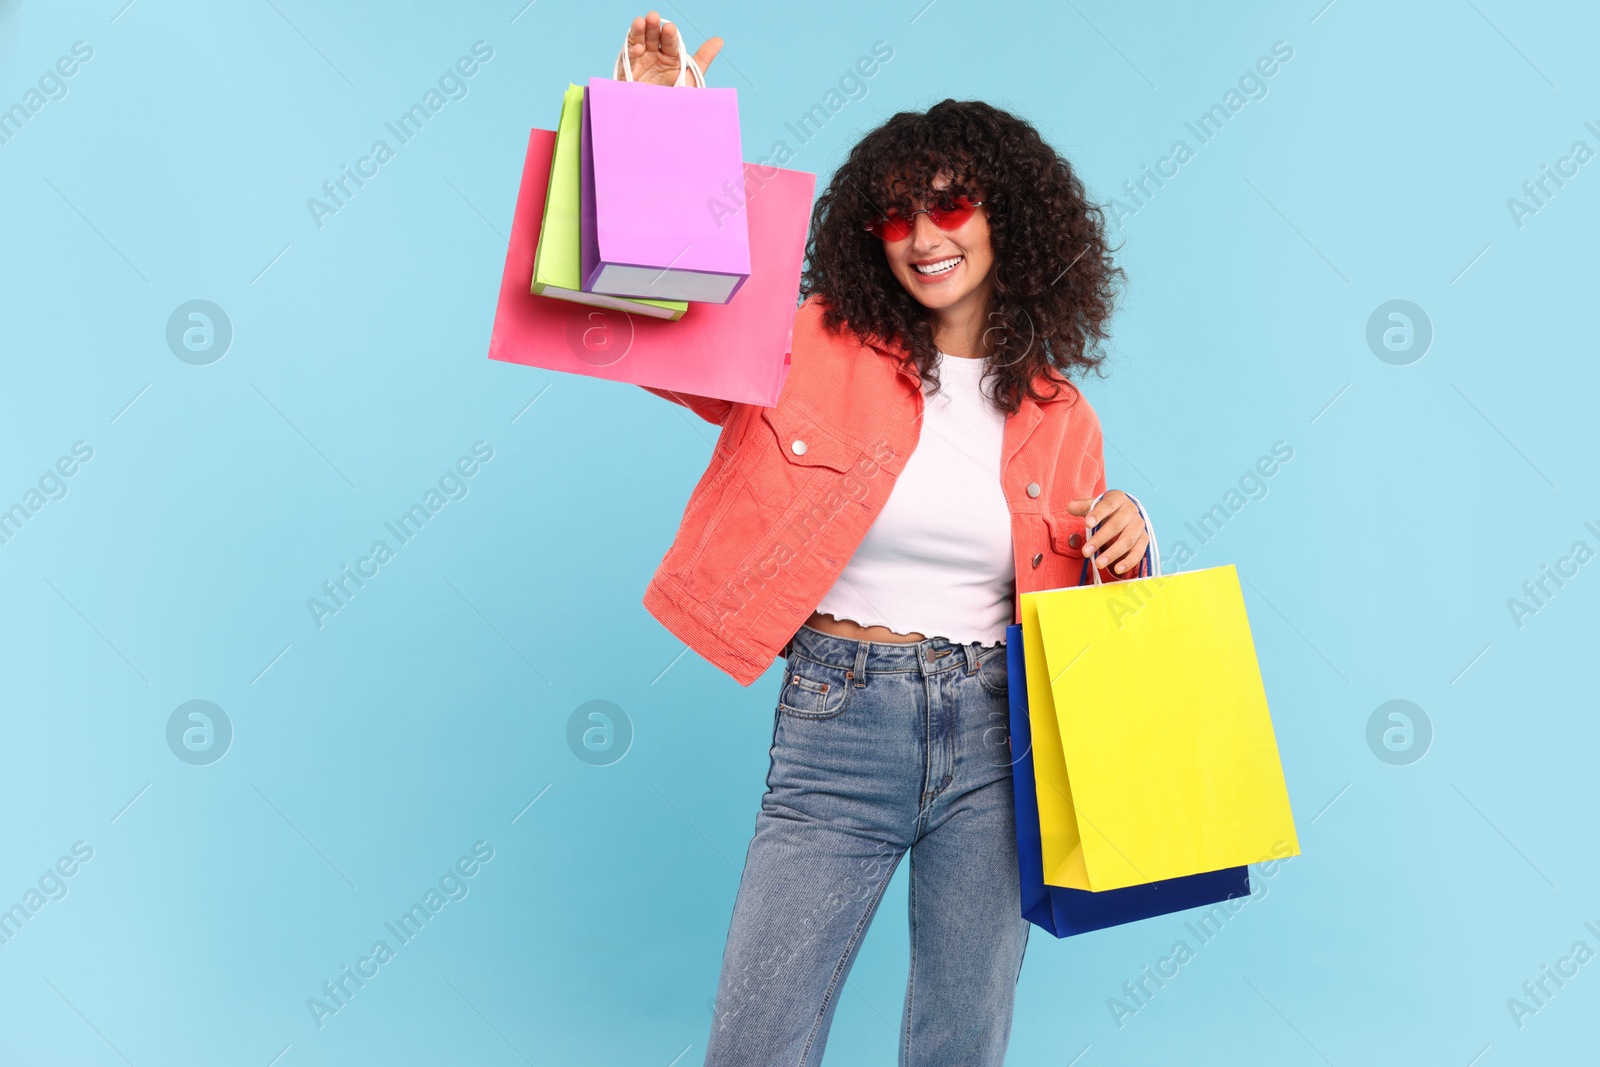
(653,51)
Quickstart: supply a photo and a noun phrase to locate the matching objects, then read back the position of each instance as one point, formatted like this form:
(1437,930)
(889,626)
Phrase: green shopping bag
(557,260)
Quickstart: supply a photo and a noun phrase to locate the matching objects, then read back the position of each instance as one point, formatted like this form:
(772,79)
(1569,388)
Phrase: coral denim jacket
(791,490)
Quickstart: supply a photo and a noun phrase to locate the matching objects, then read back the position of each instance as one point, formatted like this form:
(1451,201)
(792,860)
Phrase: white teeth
(937,268)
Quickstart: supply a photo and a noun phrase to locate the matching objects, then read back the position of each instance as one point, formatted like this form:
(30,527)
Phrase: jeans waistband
(929,656)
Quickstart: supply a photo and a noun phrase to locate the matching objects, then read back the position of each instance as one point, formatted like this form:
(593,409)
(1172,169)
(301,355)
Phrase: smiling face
(946,270)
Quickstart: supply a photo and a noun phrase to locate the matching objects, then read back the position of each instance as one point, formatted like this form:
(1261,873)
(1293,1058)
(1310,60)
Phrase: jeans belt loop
(860,669)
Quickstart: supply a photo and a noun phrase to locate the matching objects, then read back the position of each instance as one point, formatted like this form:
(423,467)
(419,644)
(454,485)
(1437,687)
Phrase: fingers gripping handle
(686,63)
(1151,564)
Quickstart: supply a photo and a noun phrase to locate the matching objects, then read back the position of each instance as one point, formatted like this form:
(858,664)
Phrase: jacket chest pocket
(1066,534)
(1064,557)
(793,457)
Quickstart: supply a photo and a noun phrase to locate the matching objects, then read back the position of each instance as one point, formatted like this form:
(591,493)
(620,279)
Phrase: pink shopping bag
(738,351)
(660,172)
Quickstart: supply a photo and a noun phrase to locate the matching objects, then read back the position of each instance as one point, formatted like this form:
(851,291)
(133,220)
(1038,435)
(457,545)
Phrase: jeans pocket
(993,671)
(813,690)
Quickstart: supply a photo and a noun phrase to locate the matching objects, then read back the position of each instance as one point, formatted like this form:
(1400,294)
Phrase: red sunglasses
(897,227)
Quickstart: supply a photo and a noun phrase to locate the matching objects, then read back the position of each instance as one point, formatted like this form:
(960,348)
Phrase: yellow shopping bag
(1154,755)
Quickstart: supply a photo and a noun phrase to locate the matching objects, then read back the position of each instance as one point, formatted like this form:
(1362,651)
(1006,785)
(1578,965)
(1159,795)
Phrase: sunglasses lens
(953,217)
(896,227)
(890,228)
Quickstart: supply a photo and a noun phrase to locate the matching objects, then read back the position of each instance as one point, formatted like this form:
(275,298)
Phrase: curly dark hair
(1054,280)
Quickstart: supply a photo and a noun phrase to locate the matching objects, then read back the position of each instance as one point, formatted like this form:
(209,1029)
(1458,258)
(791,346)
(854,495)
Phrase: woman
(955,274)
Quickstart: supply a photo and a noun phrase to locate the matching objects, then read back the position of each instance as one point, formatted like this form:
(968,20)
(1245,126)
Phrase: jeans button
(798,447)
(1033,488)
(1038,558)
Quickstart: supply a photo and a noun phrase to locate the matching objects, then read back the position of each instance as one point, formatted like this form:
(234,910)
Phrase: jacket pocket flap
(803,440)
(1064,528)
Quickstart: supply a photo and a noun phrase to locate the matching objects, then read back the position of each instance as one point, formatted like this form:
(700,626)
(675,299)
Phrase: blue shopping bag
(1066,912)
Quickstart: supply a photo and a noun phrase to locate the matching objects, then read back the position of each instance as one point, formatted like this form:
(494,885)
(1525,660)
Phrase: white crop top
(938,558)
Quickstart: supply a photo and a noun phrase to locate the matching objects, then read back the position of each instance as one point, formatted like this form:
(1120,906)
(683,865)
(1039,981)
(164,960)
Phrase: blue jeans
(878,749)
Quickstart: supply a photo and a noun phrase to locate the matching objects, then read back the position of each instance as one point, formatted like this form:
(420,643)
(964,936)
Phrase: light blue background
(370,754)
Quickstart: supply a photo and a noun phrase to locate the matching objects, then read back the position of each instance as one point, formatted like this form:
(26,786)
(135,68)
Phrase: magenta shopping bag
(737,351)
(662,179)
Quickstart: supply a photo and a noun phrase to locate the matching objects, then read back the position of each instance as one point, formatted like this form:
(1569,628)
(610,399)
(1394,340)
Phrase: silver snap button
(1038,559)
(798,447)
(1033,488)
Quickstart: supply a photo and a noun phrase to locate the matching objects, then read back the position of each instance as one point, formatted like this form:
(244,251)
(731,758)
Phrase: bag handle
(686,62)
(1151,564)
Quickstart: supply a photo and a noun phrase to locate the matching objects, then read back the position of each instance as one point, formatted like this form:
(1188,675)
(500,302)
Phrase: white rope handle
(1153,551)
(686,63)
(1152,554)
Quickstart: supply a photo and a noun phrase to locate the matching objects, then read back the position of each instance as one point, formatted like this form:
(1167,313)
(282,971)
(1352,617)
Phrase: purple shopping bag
(661,192)
(737,351)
